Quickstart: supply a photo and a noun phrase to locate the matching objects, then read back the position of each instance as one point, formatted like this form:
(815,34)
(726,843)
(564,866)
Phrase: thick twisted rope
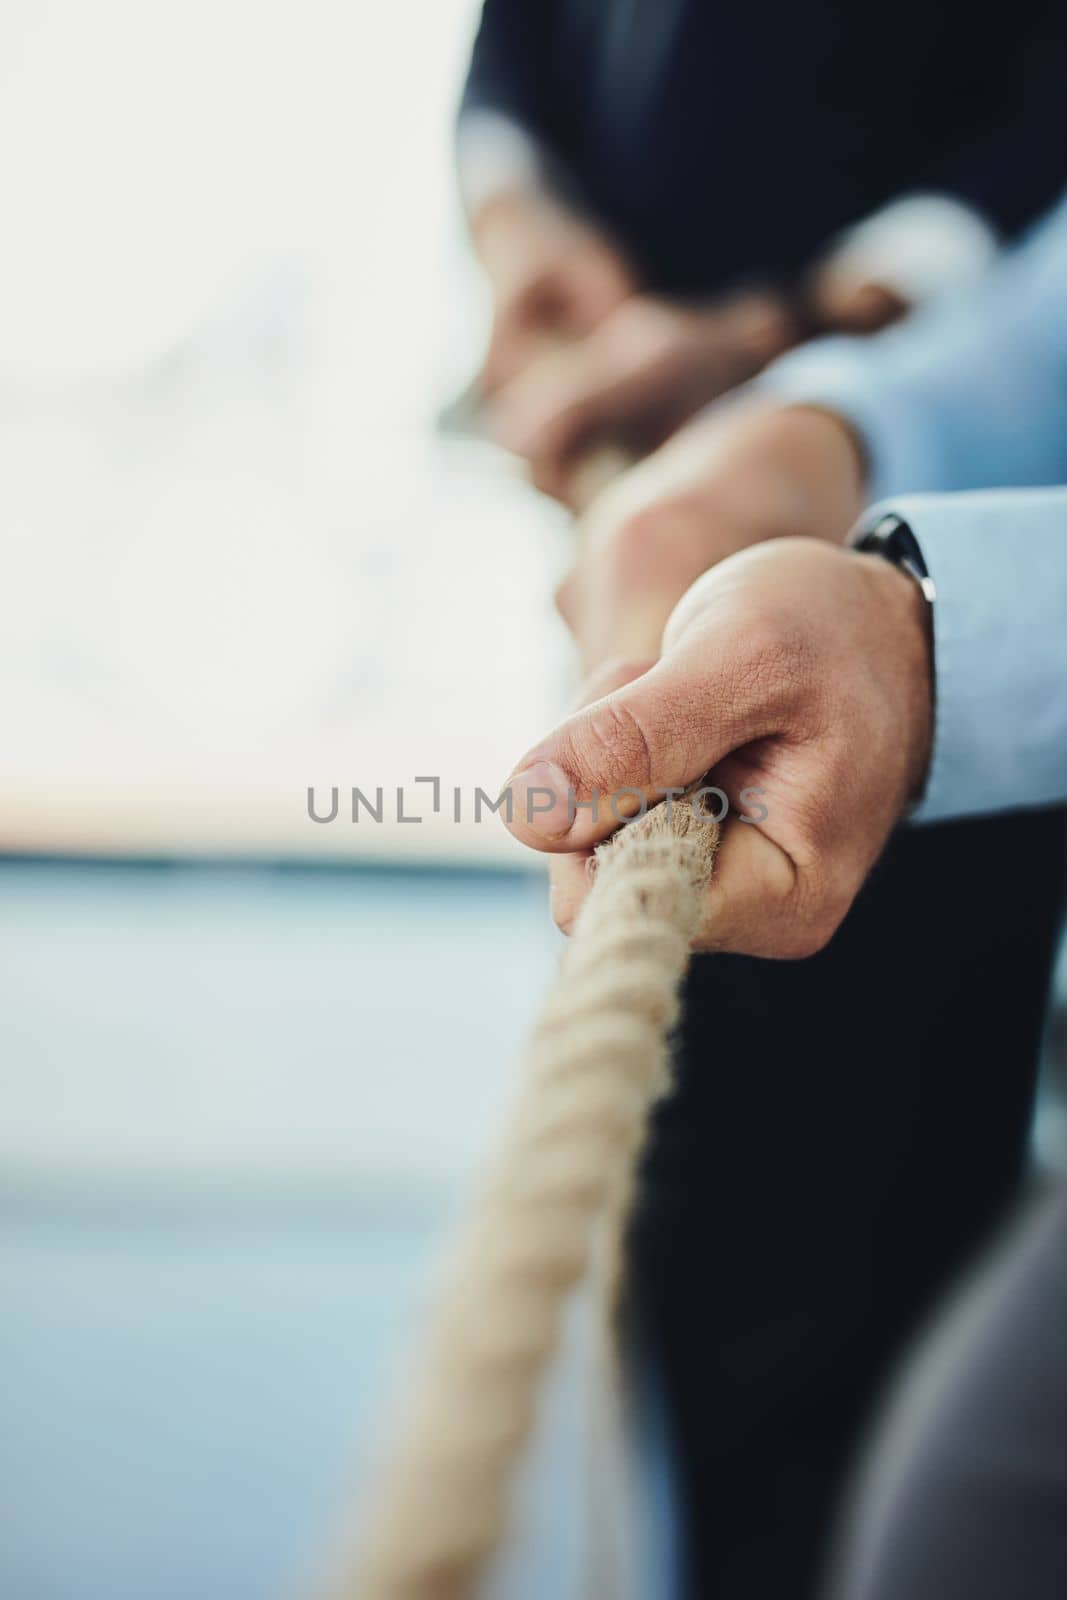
(597,1062)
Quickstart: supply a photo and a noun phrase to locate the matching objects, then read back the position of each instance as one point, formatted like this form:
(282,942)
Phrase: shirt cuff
(998,559)
(920,246)
(845,375)
(495,156)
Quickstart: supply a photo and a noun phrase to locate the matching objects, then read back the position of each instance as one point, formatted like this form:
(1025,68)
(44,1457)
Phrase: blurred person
(964,1491)
(688,189)
(847,1127)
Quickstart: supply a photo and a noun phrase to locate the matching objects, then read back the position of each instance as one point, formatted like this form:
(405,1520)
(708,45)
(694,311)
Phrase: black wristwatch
(892,538)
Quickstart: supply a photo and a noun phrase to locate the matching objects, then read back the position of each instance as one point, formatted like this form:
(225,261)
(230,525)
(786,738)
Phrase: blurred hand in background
(552,275)
(843,301)
(645,369)
(749,472)
(631,376)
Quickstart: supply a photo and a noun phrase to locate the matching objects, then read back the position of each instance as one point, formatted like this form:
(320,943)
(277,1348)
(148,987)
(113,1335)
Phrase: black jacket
(720,141)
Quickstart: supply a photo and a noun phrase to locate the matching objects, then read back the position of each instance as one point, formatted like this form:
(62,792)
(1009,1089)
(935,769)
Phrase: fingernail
(540,799)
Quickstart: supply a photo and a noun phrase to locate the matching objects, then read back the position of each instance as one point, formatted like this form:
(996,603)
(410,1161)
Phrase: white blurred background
(241,1090)
(233,295)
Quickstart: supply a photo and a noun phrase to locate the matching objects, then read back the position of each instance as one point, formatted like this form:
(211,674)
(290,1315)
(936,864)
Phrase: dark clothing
(845,1128)
(845,1131)
(965,1493)
(727,141)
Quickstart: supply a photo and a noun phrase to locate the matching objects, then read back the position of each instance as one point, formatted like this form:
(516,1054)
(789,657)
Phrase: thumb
(622,753)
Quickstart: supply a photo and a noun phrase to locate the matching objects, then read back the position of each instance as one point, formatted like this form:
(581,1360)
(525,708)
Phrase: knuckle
(619,670)
(612,674)
(543,475)
(803,931)
(647,528)
(616,747)
(773,637)
(817,821)
(629,553)
(648,325)
(673,540)
(773,651)
(826,923)
(632,542)
(807,941)
(822,899)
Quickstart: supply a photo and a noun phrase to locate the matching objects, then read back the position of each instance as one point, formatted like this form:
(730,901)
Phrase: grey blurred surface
(240,1107)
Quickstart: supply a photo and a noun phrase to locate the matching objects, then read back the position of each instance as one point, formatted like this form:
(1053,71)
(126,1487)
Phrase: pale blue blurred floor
(201,1316)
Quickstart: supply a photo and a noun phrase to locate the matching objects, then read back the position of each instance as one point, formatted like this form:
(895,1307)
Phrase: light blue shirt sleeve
(999,565)
(970,393)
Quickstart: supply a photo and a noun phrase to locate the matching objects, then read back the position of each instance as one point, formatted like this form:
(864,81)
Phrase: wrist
(908,620)
(825,460)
